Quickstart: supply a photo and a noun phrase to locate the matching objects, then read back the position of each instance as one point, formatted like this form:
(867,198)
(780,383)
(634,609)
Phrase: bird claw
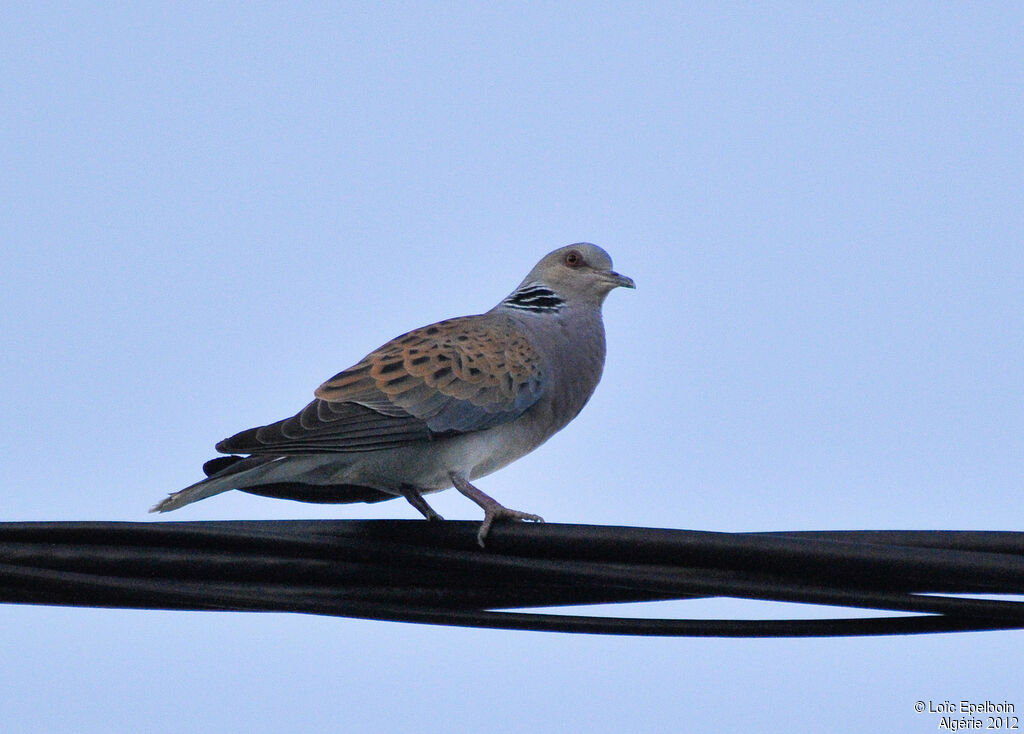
(415,498)
(493,510)
(500,512)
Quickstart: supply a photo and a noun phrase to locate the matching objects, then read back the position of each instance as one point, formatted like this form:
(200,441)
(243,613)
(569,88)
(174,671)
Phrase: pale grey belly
(426,465)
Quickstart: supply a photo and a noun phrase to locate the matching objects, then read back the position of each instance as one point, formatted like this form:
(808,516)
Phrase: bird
(437,407)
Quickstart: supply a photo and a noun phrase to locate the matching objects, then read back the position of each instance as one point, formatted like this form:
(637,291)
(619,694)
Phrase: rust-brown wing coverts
(455,376)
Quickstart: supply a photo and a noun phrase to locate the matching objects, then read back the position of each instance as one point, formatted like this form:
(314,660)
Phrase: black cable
(434,573)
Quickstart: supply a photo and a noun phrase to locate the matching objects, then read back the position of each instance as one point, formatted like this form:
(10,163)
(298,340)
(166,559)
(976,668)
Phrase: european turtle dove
(439,406)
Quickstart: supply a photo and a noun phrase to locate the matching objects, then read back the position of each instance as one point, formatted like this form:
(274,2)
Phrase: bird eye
(573,259)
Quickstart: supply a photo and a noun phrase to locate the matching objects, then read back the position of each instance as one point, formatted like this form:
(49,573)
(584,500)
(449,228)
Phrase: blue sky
(208,209)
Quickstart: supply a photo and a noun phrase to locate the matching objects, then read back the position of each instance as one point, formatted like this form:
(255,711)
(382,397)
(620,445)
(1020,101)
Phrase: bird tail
(222,475)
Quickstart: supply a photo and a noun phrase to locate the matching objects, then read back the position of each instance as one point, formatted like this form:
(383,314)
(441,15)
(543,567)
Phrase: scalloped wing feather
(456,376)
(462,374)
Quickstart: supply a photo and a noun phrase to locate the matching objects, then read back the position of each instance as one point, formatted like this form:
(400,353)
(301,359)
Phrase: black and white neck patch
(536,298)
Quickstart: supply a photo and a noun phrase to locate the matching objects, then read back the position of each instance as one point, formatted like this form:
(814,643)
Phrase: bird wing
(455,376)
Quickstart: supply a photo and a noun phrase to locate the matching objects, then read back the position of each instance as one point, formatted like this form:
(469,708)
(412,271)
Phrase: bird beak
(619,281)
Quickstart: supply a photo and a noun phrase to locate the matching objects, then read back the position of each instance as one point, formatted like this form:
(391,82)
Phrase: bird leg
(416,500)
(493,510)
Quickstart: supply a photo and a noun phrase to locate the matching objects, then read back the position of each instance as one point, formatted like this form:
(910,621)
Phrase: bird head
(577,273)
